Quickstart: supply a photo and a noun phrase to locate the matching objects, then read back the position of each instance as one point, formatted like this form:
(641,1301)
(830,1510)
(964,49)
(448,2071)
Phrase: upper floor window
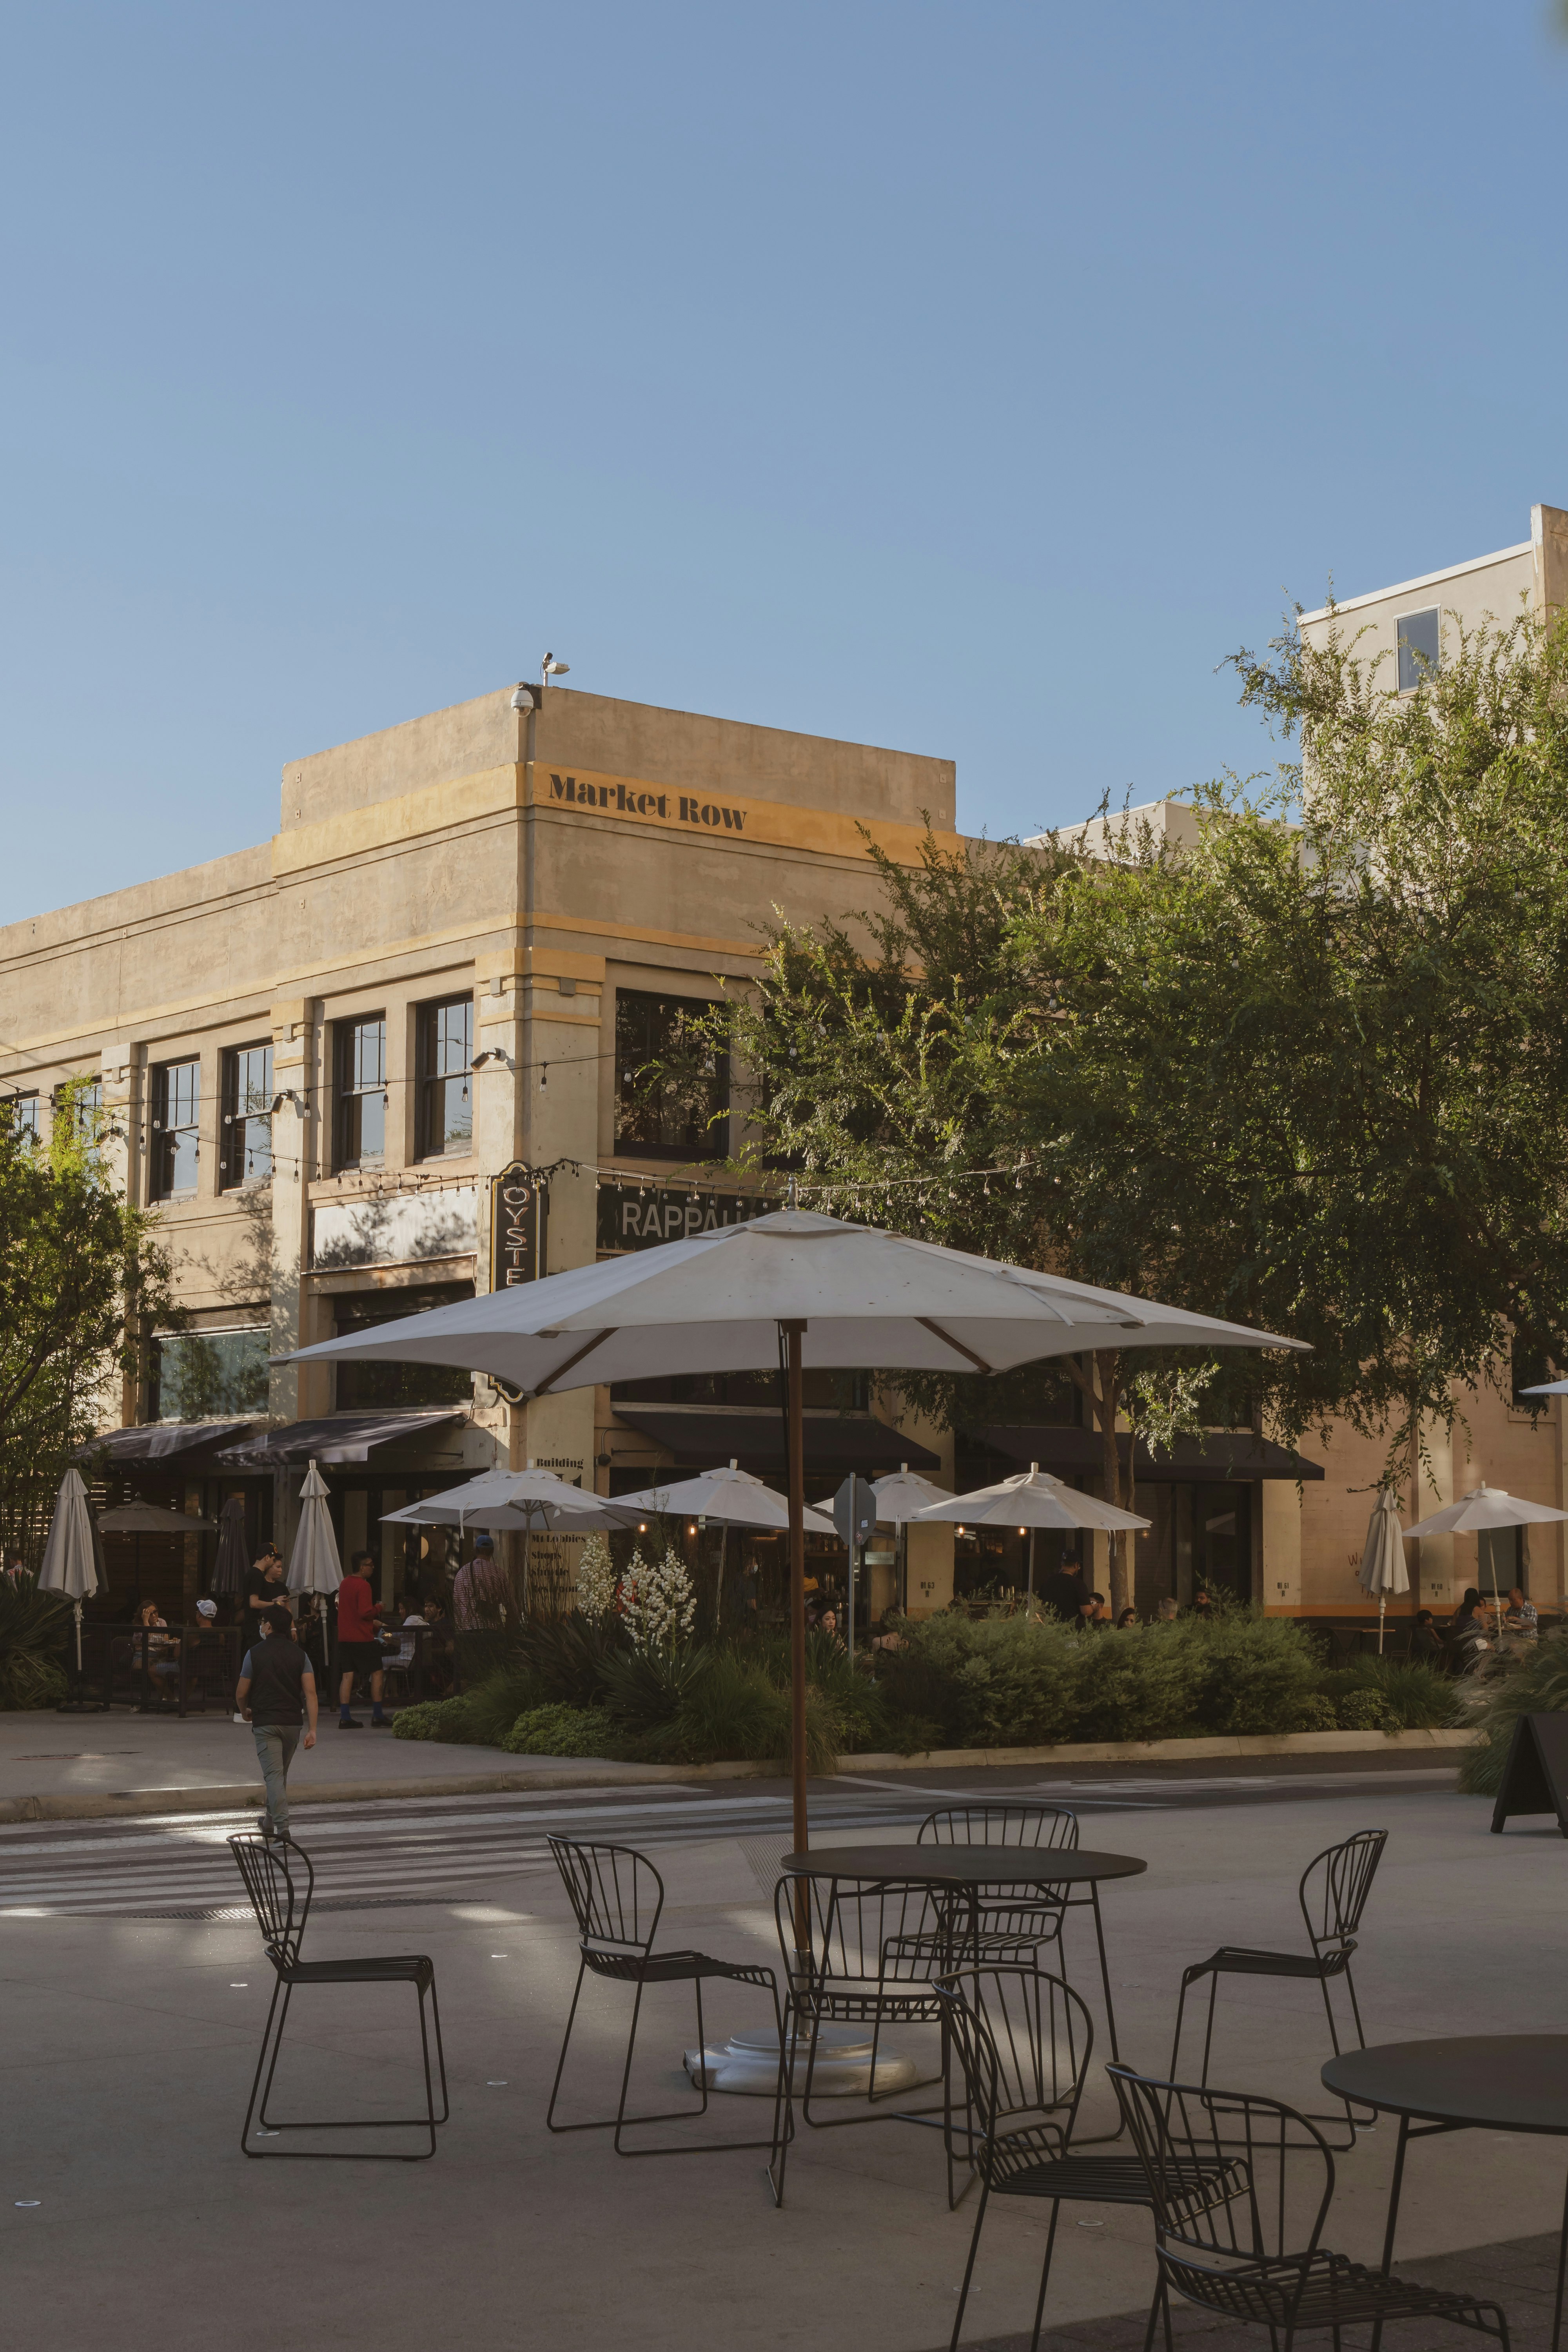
(1419,636)
(80,1103)
(25,1116)
(444,1052)
(246,1132)
(672,1084)
(176,1137)
(361,1090)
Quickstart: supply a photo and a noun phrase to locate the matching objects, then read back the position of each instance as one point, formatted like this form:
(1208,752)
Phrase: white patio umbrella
(1382,1570)
(732,1498)
(1481,1508)
(1032,1499)
(902,1494)
(70,1563)
(795,1288)
(313,1564)
(521,1500)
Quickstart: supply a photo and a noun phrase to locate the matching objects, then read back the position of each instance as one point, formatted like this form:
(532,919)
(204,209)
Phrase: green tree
(1308,1071)
(81,1275)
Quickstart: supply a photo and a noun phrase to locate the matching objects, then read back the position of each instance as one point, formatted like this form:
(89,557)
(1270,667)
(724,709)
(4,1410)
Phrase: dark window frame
(434,1072)
(707,1135)
(352,1091)
(174,1115)
(378,1385)
(237,1142)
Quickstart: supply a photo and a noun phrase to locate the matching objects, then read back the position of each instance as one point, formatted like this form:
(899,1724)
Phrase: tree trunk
(1106,1390)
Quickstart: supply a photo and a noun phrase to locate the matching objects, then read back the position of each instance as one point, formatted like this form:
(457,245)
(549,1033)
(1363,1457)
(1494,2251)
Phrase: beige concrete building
(389,1058)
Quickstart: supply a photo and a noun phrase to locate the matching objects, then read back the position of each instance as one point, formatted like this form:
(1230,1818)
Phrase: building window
(219,1375)
(1419,638)
(246,1117)
(176,1143)
(79,1104)
(672,1084)
(24,1109)
(445,1049)
(368,1386)
(361,1092)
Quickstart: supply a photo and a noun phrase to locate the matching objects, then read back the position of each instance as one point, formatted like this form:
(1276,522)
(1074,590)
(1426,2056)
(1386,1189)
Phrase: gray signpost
(854,1516)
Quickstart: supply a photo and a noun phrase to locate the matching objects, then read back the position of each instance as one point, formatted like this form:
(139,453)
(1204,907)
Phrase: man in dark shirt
(263,1590)
(277,1694)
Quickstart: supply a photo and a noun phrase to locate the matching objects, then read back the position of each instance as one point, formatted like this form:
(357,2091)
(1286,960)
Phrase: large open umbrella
(313,1564)
(795,1288)
(1032,1499)
(1482,1509)
(138,1519)
(72,1563)
(1382,1569)
(232,1565)
(732,1498)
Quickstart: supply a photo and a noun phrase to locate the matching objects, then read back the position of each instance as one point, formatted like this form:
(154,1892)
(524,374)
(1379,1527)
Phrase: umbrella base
(749,2064)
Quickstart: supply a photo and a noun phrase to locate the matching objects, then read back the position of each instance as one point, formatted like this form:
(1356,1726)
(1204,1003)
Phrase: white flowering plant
(659,1605)
(596,1578)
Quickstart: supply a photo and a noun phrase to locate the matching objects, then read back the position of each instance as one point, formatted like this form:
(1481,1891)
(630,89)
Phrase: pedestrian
(276,1694)
(479,1589)
(263,1590)
(359,1652)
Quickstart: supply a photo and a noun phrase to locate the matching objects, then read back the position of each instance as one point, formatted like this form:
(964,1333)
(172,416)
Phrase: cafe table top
(1504,2081)
(964,1865)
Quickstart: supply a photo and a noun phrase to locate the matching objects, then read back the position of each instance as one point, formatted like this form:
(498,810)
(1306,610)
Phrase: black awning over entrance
(1218,1456)
(338,1437)
(701,1437)
(160,1442)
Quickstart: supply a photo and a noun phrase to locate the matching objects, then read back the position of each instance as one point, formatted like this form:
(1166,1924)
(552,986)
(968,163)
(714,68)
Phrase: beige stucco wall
(1488,589)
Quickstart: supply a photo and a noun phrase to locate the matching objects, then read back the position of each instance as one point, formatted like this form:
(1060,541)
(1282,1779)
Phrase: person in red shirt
(359,1652)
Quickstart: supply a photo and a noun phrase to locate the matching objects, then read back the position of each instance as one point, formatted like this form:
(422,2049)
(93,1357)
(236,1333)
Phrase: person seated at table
(1128,1617)
(1169,1610)
(1520,1616)
(828,1622)
(1425,1641)
(159,1653)
(1467,1642)
(888,1636)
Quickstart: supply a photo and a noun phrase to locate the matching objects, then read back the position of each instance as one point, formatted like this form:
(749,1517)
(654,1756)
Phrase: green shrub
(1139,1684)
(556,1730)
(448,1719)
(1257,1674)
(1363,1710)
(417,1722)
(643,1689)
(995,1682)
(492,1708)
(1412,1695)
(33,1630)
(1534,1681)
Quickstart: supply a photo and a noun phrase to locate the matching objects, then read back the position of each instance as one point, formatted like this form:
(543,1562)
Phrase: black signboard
(519,1226)
(635,1216)
(1535,1777)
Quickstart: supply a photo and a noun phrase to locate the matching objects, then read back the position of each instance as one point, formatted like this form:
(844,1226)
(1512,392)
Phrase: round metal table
(1482,2082)
(974,1869)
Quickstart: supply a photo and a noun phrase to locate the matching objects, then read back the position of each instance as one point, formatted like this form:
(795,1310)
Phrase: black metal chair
(1332,1895)
(858,1953)
(269,1868)
(617,1897)
(1224,2173)
(1023,2039)
(1002,1927)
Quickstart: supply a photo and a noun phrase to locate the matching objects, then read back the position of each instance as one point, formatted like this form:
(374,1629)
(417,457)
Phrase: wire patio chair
(272,1871)
(1332,1895)
(871,1952)
(1023,2039)
(617,1897)
(1239,2214)
(1001,1925)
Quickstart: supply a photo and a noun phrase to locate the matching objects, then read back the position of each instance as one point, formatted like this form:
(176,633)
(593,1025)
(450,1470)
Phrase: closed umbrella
(795,1288)
(313,1564)
(732,1497)
(1032,1499)
(1482,1509)
(72,1562)
(232,1565)
(1382,1557)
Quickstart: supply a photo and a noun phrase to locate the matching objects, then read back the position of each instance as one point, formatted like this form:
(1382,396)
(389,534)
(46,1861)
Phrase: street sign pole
(854,1516)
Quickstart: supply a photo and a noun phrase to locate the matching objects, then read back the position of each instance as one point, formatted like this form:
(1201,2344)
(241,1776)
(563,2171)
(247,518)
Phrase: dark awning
(1219,1455)
(162,1441)
(702,1436)
(338,1437)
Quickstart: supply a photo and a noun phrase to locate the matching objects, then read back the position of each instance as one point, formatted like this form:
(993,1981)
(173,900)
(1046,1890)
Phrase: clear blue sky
(966,377)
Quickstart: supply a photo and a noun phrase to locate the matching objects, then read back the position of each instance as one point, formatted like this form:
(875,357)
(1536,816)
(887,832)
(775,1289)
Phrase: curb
(104,1804)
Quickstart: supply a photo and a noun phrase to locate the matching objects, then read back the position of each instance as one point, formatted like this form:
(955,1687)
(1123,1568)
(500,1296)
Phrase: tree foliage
(81,1274)
(1307,1070)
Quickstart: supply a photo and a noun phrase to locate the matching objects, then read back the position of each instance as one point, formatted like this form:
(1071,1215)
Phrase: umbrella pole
(1381,1613)
(1029,1590)
(792,1332)
(718,1588)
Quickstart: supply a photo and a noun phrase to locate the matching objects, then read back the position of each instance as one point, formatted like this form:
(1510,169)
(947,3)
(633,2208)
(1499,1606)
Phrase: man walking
(277,1694)
(359,1652)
